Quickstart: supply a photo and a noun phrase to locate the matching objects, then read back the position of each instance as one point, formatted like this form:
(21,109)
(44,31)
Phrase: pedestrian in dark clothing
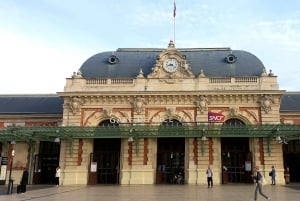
(273,175)
(24,182)
(258,182)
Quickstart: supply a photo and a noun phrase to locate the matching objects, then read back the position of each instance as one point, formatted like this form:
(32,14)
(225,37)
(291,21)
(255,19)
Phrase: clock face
(171,65)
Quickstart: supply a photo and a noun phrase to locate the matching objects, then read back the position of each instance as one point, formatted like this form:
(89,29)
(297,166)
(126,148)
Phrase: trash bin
(225,177)
(287,178)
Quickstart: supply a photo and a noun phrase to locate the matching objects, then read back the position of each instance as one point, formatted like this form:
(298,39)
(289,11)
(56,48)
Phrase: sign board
(248,167)
(93,166)
(215,117)
(3,169)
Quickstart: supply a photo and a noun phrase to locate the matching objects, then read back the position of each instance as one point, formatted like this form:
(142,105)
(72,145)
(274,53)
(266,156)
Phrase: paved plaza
(230,192)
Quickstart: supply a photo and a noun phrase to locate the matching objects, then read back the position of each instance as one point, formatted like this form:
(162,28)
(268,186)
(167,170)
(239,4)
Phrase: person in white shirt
(57,175)
(209,173)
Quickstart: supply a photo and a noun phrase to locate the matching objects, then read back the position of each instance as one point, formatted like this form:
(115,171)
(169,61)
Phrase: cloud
(285,33)
(70,32)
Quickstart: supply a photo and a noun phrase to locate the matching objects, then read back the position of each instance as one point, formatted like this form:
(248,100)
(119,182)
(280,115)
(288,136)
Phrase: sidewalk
(229,192)
(4,188)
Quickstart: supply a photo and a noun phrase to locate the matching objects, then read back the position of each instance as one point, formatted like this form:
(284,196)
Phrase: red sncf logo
(215,117)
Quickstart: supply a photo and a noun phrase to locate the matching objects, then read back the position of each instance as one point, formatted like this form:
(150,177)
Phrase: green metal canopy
(18,133)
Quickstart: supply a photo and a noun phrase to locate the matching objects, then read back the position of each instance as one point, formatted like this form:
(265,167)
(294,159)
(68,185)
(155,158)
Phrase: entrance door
(107,157)
(170,161)
(46,162)
(291,154)
(235,154)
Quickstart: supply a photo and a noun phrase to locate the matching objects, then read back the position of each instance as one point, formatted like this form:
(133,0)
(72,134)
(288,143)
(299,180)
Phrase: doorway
(170,154)
(291,155)
(235,156)
(170,161)
(105,159)
(106,156)
(45,163)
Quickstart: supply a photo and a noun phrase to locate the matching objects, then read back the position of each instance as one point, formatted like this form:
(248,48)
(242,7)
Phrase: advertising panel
(3,169)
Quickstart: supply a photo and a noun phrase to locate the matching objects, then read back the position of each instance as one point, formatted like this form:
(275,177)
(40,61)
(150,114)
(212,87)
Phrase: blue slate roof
(128,65)
(52,104)
(31,104)
(290,102)
(211,60)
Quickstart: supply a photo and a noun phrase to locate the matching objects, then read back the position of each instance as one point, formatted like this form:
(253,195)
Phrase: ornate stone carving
(156,71)
(138,104)
(183,69)
(201,73)
(186,71)
(202,103)
(75,104)
(107,112)
(265,102)
(171,45)
(141,74)
(233,111)
(264,72)
(77,75)
(170,112)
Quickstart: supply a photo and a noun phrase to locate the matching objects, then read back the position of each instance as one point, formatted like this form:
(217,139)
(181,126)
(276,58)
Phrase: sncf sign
(215,117)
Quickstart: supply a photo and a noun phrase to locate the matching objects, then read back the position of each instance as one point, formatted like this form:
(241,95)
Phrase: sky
(42,42)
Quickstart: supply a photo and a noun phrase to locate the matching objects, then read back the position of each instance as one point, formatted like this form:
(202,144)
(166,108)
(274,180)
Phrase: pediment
(171,63)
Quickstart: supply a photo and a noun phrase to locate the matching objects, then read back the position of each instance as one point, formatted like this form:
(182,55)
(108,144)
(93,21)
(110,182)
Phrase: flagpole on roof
(174,15)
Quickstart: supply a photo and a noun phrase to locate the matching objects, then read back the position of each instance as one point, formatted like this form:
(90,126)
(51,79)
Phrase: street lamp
(203,138)
(10,181)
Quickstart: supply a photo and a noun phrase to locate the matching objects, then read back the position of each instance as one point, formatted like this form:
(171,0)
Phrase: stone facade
(181,95)
(171,91)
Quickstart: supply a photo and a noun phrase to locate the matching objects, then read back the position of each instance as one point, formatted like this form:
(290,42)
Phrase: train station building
(155,116)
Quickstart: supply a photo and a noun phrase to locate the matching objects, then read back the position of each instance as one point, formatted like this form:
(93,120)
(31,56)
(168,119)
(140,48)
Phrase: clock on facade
(171,65)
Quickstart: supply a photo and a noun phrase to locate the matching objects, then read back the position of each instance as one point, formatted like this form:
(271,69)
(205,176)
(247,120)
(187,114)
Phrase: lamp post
(203,138)
(10,181)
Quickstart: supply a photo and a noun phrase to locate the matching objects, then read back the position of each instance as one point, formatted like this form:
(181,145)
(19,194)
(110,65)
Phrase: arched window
(234,128)
(171,122)
(108,123)
(108,128)
(170,127)
(234,122)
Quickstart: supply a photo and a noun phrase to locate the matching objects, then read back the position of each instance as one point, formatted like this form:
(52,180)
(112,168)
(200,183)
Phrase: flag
(174,12)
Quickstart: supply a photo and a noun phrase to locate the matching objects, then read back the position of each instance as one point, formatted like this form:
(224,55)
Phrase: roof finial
(141,74)
(271,73)
(171,44)
(201,73)
(264,72)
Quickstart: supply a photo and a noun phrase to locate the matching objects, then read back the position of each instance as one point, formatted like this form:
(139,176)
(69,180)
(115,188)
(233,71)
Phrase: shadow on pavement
(4,188)
(295,186)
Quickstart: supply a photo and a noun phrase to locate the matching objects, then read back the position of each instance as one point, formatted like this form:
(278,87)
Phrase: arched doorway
(291,154)
(235,157)
(170,155)
(106,159)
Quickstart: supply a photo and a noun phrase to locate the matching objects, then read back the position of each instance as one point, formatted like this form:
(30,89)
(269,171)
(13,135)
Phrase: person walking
(273,175)
(209,173)
(258,182)
(57,176)
(23,182)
